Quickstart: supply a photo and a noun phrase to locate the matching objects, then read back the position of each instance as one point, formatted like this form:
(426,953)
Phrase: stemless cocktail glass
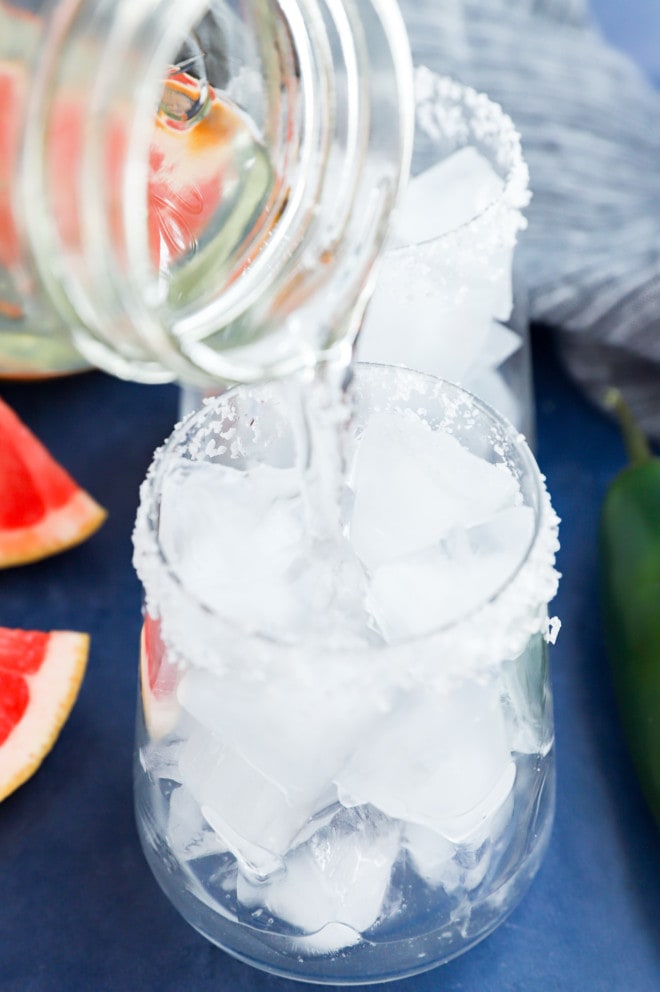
(446,301)
(344,766)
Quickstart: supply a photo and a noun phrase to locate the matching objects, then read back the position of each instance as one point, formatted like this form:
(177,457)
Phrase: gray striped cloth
(590,127)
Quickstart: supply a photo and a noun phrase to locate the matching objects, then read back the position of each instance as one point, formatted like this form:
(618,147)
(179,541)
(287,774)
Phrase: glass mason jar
(195,190)
(344,769)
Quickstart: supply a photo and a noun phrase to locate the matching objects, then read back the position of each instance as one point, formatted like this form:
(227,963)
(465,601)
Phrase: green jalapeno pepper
(630,582)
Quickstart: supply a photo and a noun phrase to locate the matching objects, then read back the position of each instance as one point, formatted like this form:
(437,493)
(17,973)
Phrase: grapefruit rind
(53,691)
(161,710)
(59,530)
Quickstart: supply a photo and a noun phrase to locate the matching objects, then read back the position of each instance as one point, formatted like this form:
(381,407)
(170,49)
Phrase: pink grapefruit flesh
(42,510)
(159,679)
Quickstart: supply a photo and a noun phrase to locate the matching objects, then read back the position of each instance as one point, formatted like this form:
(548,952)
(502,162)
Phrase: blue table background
(634,27)
(79,909)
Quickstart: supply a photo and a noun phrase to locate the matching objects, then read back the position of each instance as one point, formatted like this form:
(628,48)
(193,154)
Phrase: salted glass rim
(514,195)
(531,585)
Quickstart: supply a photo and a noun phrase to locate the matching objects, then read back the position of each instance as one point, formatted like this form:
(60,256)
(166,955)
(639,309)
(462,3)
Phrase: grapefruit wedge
(158,682)
(40,675)
(42,509)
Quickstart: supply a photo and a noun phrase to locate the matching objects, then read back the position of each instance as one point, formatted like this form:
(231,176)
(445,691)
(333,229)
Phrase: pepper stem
(637,446)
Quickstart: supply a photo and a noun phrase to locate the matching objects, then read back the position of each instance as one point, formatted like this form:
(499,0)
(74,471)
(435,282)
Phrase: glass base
(422,929)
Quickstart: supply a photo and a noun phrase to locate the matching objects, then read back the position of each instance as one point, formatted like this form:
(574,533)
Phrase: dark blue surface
(79,909)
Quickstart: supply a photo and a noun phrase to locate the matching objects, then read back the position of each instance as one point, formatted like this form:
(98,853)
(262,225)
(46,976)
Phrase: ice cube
(262,759)
(159,758)
(330,938)
(207,499)
(411,597)
(294,731)
(431,856)
(188,833)
(413,485)
(340,876)
(473,864)
(253,817)
(418,327)
(491,387)
(232,536)
(446,196)
(502,342)
(439,759)
(239,542)
(528,699)
(424,316)
(507,534)
(439,862)
(414,596)
(433,305)
(500,269)
(493,826)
